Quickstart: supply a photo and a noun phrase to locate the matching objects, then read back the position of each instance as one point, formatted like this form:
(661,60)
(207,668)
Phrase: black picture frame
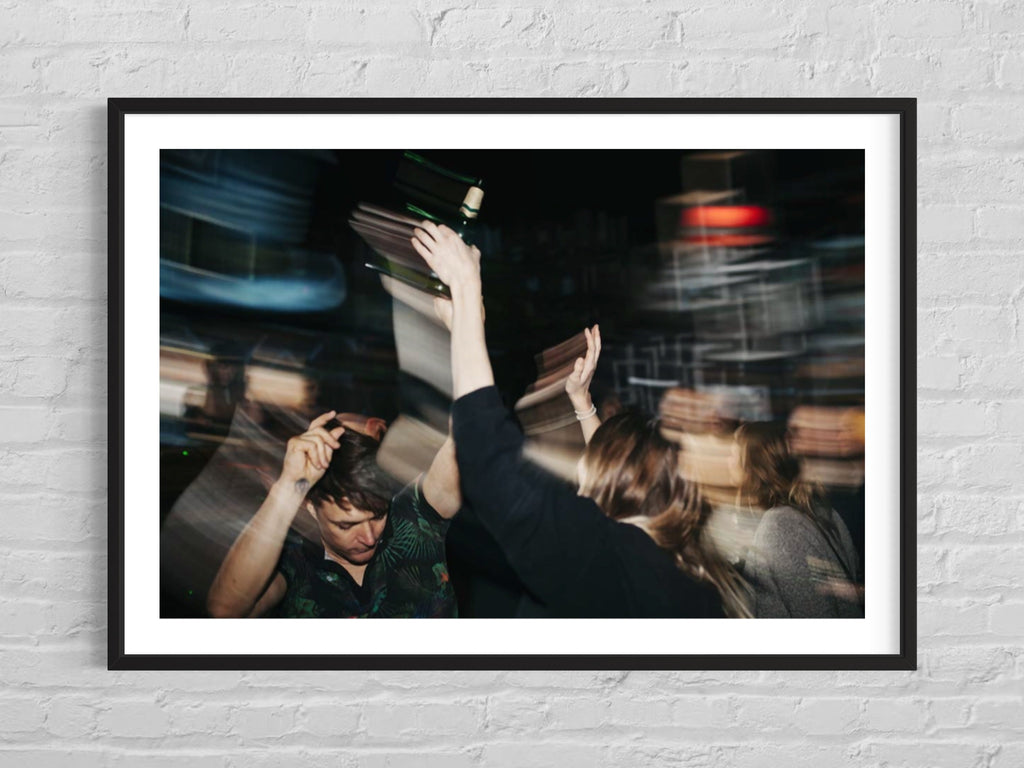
(903,108)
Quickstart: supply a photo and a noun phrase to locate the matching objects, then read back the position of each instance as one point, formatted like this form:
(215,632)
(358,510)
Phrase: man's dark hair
(354,474)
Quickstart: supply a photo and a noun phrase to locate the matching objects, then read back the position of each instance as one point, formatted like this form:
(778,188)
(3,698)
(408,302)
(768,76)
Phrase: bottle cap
(470,207)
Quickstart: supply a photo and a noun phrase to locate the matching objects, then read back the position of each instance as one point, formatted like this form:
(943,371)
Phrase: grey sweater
(796,571)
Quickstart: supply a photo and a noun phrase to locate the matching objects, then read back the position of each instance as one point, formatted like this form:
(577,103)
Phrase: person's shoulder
(830,514)
(630,535)
(478,401)
(784,523)
(781,515)
(406,495)
(410,503)
(296,557)
(629,527)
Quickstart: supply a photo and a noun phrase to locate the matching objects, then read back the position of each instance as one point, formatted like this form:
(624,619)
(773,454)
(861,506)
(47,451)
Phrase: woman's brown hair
(632,473)
(771,474)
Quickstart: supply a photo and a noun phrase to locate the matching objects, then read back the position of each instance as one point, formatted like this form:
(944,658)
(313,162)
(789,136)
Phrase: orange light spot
(726,216)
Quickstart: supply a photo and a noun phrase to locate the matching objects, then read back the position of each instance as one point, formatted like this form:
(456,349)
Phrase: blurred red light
(726,216)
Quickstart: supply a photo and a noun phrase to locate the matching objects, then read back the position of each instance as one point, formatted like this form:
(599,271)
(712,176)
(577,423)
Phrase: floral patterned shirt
(407,577)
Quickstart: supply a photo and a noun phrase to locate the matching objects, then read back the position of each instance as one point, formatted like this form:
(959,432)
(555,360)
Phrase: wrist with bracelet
(586,413)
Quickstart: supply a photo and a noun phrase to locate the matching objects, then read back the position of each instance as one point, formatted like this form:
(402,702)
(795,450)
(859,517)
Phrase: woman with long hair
(803,563)
(631,471)
(578,555)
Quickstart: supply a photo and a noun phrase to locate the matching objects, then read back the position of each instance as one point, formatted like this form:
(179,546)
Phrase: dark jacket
(571,557)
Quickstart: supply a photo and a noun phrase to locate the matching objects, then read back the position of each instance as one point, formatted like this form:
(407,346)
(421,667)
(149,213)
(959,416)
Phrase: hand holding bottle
(457,264)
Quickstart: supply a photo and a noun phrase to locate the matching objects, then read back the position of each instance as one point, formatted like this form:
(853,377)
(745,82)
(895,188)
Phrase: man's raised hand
(308,455)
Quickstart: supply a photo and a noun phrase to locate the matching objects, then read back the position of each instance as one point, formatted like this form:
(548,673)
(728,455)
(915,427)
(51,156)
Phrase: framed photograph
(544,383)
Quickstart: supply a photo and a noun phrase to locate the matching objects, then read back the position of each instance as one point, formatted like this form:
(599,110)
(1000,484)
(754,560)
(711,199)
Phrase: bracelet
(581,415)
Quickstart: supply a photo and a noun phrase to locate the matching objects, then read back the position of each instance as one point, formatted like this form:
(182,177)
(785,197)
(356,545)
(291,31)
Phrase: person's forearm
(250,563)
(471,367)
(590,423)
(441,483)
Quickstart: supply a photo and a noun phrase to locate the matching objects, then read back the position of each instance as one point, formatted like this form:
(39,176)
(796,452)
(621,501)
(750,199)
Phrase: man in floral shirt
(380,554)
(407,576)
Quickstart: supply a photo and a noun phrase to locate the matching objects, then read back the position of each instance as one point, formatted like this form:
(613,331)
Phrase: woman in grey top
(802,563)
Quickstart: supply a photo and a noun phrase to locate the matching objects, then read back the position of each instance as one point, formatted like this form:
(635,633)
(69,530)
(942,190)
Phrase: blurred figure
(699,423)
(686,411)
(803,563)
(827,431)
(633,475)
(829,442)
(378,555)
(703,426)
(272,387)
(577,558)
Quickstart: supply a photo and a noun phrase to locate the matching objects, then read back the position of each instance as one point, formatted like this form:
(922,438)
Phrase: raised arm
(549,534)
(441,482)
(247,583)
(577,386)
(458,266)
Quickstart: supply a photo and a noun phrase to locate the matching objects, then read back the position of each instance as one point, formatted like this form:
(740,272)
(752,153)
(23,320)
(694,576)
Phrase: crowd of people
(632,541)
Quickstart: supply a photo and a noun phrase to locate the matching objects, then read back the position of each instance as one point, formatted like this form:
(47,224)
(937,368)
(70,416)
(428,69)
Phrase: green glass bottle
(439,194)
(430,192)
(467,212)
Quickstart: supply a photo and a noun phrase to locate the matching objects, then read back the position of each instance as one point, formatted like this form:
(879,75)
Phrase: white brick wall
(60,60)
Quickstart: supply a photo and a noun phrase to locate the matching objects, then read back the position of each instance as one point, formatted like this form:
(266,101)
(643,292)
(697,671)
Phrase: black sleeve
(548,533)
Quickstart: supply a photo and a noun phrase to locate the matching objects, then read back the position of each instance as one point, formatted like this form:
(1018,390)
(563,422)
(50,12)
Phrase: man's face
(350,533)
